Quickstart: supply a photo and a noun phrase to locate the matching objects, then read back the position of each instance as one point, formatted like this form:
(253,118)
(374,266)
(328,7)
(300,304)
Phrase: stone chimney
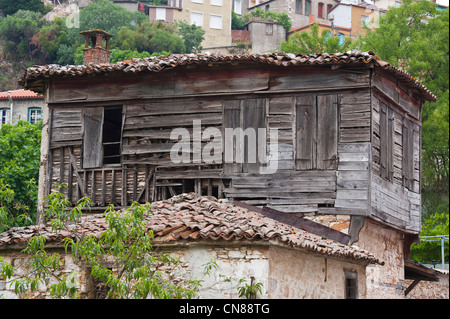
(97,53)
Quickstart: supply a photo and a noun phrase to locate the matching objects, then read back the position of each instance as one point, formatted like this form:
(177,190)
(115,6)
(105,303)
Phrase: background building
(19,105)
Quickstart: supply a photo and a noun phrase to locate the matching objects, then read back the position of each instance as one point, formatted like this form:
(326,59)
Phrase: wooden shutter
(408,154)
(386,141)
(92,142)
(306,133)
(231,119)
(254,116)
(327,132)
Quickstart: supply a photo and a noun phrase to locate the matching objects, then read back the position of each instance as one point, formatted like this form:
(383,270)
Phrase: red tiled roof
(320,24)
(157,64)
(20,94)
(191,217)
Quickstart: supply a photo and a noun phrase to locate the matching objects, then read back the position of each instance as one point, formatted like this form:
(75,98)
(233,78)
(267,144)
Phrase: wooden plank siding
(330,146)
(395,195)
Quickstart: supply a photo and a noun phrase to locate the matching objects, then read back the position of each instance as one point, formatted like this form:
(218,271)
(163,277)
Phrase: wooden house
(348,124)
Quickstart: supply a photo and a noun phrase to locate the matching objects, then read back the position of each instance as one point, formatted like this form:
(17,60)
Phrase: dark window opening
(351,285)
(112,127)
(97,289)
(307,7)
(298,6)
(329,7)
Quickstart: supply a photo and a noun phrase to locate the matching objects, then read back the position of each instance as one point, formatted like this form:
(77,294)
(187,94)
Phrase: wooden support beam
(299,222)
(411,286)
(80,181)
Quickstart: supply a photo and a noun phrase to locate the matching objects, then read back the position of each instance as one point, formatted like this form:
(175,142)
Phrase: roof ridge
(157,64)
(193,217)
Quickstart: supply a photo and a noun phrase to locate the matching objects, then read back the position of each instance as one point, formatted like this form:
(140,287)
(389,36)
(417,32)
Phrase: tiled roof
(157,64)
(20,94)
(190,218)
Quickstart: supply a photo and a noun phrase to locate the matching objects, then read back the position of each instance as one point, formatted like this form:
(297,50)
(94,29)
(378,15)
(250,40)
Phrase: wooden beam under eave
(411,286)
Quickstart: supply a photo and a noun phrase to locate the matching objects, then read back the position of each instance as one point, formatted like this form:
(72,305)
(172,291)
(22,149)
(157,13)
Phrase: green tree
(430,251)
(158,37)
(311,42)
(281,18)
(192,35)
(50,38)
(19,173)
(126,244)
(237,23)
(109,17)
(415,37)
(16,31)
(125,39)
(9,7)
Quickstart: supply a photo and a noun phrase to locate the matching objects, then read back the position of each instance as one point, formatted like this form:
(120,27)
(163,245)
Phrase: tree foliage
(9,7)
(281,18)
(106,16)
(415,37)
(192,35)
(122,257)
(17,30)
(430,251)
(28,38)
(312,42)
(19,173)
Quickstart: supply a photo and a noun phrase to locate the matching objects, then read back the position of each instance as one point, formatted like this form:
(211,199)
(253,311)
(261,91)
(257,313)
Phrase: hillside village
(335,219)
(343,18)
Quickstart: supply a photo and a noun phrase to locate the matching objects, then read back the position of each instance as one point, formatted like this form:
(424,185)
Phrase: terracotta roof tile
(206,219)
(158,64)
(20,94)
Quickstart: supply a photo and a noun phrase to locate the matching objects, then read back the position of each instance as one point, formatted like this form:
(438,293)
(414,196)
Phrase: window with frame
(4,116)
(298,6)
(351,284)
(329,7)
(161,14)
(365,21)
(34,114)
(215,22)
(307,7)
(317,132)
(320,10)
(237,6)
(409,131)
(102,136)
(197,19)
(341,37)
(269,29)
(386,142)
(217,3)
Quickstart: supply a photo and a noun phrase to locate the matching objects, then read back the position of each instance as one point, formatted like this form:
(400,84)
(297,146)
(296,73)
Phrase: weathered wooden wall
(396,147)
(329,148)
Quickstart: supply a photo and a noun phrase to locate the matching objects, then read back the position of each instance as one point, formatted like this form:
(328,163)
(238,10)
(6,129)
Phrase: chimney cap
(92,33)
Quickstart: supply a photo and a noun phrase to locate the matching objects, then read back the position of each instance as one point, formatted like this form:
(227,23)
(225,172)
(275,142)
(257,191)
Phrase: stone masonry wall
(387,281)
(283,273)
(430,290)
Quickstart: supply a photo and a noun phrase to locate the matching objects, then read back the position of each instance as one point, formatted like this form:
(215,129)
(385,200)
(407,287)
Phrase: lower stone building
(21,105)
(289,262)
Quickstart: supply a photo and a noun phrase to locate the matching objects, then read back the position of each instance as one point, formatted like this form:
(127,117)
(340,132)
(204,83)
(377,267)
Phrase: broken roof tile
(157,64)
(171,222)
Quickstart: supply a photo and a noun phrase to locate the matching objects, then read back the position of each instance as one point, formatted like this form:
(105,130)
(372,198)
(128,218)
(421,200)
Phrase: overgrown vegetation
(238,23)
(19,173)
(312,42)
(122,258)
(27,38)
